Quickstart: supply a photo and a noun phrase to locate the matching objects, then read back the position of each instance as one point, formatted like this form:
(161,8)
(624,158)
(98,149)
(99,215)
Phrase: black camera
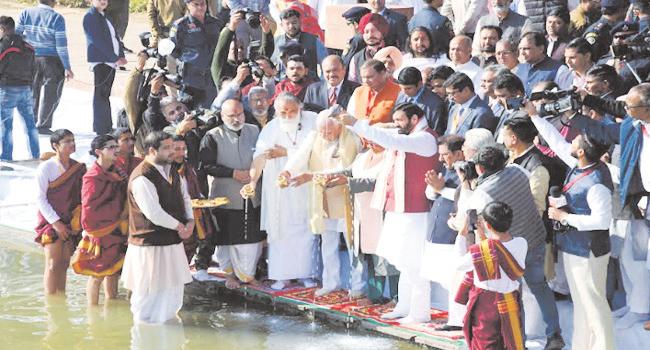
(468,168)
(251,17)
(561,101)
(160,69)
(255,68)
(635,46)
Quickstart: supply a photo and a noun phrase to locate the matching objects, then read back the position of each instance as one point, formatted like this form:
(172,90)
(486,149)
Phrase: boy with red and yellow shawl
(58,201)
(100,253)
(491,287)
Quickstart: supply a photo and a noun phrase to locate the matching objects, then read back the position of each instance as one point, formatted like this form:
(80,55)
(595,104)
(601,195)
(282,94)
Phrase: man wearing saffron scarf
(100,254)
(490,288)
(58,201)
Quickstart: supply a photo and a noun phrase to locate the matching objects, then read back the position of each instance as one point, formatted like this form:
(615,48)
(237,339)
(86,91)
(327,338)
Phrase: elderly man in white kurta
(399,191)
(331,148)
(292,253)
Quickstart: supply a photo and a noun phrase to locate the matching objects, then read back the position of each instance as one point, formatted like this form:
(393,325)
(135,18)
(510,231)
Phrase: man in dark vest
(226,155)
(160,217)
(314,49)
(442,189)
(510,184)
(585,214)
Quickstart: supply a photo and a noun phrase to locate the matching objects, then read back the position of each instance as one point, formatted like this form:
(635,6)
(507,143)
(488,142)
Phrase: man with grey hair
(284,217)
(259,107)
(507,53)
(487,91)
(331,148)
(226,155)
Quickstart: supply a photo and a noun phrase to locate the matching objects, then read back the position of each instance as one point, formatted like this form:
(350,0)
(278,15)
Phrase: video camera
(468,168)
(562,101)
(636,46)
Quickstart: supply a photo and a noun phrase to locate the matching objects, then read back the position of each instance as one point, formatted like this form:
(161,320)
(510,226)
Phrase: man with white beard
(284,216)
(400,192)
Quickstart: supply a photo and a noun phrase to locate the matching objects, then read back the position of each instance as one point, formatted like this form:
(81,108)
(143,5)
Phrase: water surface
(28,320)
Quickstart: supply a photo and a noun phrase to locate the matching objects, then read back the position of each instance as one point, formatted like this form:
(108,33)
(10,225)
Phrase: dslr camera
(161,61)
(561,101)
(251,17)
(255,68)
(468,168)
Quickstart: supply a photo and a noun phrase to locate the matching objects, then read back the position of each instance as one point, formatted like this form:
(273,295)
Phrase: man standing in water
(160,217)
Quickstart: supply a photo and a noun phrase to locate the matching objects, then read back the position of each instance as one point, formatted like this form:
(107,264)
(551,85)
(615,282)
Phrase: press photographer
(561,108)
(230,54)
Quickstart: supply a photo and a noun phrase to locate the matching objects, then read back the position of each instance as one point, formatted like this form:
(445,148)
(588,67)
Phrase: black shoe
(449,328)
(6,168)
(554,342)
(560,296)
(45,131)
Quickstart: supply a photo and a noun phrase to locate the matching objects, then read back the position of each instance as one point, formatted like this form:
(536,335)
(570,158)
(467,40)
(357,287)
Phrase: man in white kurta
(155,266)
(399,191)
(292,253)
(331,148)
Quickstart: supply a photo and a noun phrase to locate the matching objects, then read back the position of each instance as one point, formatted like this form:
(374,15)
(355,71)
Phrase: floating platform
(336,308)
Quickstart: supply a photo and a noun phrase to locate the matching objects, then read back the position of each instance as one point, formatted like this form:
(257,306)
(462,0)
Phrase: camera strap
(578,178)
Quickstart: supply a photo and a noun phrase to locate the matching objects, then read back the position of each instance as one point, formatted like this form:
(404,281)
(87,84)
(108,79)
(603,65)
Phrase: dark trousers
(203,256)
(118,13)
(104,76)
(49,76)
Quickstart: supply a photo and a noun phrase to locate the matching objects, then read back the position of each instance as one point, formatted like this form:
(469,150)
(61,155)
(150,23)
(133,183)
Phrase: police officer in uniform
(196,35)
(355,44)
(598,34)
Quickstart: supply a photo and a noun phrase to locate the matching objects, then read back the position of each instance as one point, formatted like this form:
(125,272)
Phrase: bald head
(637,102)
(232,114)
(460,49)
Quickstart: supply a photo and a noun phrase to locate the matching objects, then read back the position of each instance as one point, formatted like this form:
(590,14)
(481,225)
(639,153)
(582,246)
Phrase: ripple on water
(29,321)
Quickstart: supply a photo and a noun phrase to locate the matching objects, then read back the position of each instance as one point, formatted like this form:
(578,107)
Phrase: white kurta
(284,211)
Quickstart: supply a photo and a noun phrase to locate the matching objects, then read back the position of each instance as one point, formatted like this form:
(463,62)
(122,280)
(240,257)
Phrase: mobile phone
(473,218)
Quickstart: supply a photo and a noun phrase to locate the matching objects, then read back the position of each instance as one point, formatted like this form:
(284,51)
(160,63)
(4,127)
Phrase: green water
(30,321)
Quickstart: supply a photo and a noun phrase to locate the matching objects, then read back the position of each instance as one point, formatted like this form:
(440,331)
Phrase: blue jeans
(19,97)
(536,280)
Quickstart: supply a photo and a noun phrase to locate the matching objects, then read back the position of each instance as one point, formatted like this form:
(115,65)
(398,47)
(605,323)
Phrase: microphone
(556,199)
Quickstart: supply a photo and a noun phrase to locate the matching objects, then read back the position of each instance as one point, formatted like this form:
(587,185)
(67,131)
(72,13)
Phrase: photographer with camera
(585,241)
(560,108)
(229,54)
(632,224)
(509,93)
(195,38)
(510,184)
(250,32)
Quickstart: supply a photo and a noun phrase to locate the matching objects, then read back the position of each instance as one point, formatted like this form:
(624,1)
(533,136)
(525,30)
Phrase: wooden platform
(338,309)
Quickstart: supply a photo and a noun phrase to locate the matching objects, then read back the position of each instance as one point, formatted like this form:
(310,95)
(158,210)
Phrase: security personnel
(619,33)
(598,34)
(196,35)
(355,44)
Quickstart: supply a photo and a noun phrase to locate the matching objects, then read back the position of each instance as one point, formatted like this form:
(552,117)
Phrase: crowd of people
(468,148)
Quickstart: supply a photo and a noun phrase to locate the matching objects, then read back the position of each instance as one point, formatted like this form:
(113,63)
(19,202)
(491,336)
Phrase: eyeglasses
(629,108)
(112,147)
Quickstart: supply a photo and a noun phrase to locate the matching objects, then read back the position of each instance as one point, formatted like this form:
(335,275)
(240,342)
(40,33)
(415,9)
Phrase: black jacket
(16,61)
